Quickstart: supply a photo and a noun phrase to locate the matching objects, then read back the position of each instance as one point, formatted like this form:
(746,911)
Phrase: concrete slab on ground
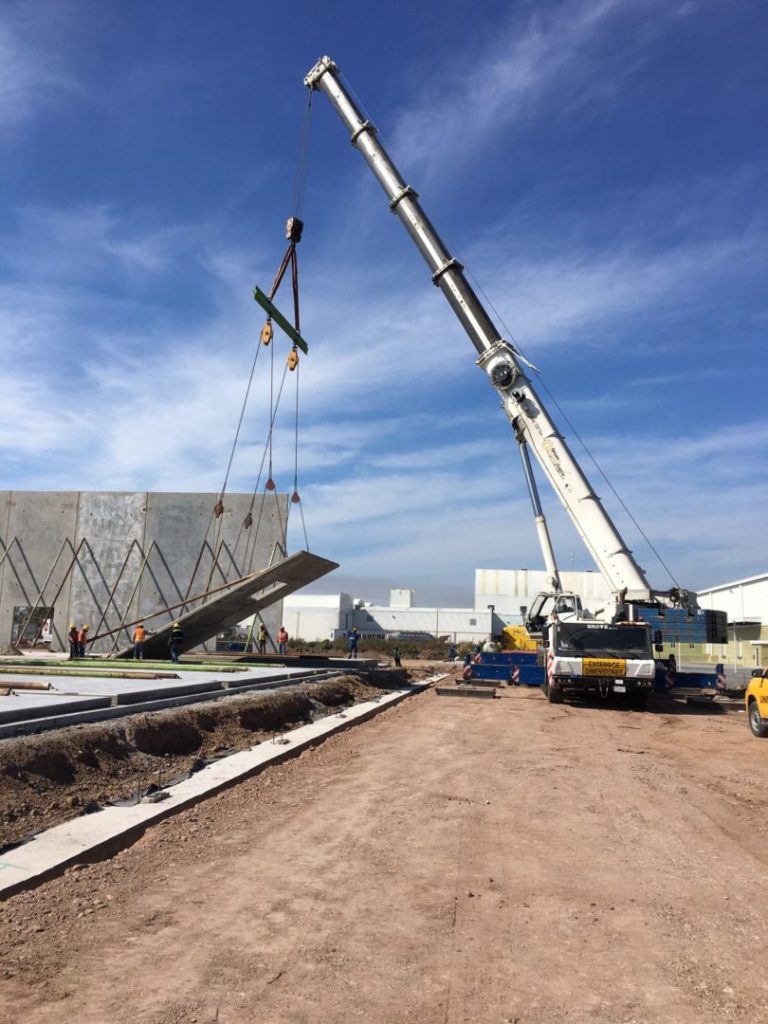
(23,705)
(87,698)
(465,691)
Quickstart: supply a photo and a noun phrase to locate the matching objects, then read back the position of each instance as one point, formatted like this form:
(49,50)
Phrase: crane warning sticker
(604,667)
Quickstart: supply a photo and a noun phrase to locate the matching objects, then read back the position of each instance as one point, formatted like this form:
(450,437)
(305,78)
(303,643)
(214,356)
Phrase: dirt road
(450,861)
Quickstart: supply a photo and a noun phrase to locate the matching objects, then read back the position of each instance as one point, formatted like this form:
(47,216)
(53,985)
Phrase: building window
(473,622)
(30,626)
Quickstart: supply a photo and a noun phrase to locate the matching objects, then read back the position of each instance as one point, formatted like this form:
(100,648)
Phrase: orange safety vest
(140,635)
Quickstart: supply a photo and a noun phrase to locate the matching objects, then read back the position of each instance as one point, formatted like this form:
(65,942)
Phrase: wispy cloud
(137,335)
(29,78)
(555,298)
(575,51)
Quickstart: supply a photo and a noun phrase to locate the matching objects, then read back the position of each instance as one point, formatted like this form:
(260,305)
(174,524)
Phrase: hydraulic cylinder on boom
(498,357)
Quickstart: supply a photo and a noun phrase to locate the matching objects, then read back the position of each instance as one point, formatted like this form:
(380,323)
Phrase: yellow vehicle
(756,703)
(516,638)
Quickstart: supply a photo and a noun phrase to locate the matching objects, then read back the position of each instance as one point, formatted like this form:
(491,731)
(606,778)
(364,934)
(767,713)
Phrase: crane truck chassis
(598,658)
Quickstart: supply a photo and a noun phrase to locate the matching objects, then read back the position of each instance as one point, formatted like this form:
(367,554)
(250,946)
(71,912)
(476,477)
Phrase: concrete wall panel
(108,523)
(42,522)
(179,525)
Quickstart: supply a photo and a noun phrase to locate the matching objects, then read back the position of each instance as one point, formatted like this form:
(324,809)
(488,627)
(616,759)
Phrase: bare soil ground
(49,778)
(450,861)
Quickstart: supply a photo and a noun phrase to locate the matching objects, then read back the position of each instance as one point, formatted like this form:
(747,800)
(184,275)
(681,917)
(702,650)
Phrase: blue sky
(598,165)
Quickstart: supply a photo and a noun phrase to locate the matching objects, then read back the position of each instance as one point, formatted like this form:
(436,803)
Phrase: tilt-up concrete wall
(107,558)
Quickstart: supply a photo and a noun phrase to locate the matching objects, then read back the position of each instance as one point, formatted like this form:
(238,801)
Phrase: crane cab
(565,605)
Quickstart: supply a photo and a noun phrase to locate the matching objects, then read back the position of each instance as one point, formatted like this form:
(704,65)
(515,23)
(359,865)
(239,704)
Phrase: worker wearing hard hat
(175,641)
(82,639)
(73,636)
(261,639)
(282,640)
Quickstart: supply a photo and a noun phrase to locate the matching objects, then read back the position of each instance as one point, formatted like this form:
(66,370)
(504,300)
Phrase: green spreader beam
(274,313)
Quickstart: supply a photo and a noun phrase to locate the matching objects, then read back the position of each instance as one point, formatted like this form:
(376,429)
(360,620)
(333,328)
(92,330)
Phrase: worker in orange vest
(139,636)
(82,639)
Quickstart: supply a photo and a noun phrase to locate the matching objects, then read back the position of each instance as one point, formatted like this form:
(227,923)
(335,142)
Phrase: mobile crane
(581,653)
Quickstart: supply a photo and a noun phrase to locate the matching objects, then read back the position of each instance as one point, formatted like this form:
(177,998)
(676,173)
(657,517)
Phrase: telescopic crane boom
(499,358)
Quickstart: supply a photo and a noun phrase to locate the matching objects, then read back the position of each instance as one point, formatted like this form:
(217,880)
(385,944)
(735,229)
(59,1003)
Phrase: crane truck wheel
(555,694)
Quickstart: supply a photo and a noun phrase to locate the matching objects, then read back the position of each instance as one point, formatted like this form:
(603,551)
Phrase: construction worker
(282,640)
(174,642)
(73,636)
(261,639)
(139,636)
(82,639)
(352,637)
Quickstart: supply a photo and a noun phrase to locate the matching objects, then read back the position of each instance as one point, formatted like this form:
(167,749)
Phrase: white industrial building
(501,595)
(511,591)
(328,616)
(746,604)
(743,600)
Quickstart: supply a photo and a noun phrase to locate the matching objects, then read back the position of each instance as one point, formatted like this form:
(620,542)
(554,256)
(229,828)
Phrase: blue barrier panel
(684,680)
(528,675)
(508,657)
(500,672)
(531,675)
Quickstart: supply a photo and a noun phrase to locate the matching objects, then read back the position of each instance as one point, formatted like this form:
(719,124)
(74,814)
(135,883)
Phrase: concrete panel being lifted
(240,601)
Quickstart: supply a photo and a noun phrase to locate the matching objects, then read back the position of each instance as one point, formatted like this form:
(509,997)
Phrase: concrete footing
(470,690)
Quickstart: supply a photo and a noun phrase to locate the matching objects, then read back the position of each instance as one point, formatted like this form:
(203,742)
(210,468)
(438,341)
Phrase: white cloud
(28,79)
(575,51)
(391,474)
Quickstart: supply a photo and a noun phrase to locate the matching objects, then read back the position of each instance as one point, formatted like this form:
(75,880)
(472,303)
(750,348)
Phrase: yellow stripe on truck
(614,667)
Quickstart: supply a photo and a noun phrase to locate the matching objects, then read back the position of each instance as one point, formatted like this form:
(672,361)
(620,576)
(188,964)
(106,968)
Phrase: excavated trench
(47,779)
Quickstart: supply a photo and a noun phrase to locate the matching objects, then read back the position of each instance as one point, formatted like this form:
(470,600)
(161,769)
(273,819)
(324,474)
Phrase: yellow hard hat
(73,625)
(176,624)
(86,628)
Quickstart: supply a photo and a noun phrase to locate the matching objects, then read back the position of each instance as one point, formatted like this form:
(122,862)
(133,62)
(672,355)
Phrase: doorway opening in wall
(31,626)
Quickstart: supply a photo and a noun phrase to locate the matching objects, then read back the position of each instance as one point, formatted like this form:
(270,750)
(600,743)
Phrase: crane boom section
(495,355)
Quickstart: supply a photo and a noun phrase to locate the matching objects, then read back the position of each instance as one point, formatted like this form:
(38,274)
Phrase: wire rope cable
(295,497)
(300,177)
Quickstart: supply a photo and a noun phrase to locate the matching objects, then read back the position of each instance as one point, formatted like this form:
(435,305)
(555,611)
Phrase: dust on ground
(451,861)
(51,777)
